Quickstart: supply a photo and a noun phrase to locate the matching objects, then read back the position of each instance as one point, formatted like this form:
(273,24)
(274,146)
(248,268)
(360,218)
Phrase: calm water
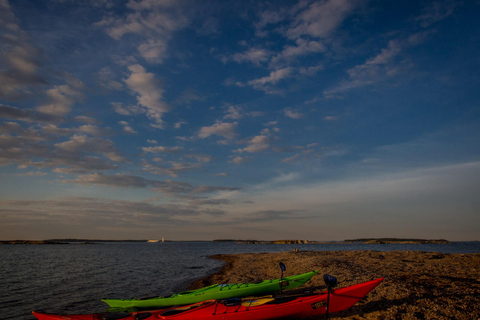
(73,278)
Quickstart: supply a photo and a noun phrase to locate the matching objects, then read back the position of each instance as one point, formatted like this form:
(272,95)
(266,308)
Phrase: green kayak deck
(216,291)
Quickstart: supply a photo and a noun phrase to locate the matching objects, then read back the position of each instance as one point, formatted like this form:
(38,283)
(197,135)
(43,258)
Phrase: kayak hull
(217,292)
(280,308)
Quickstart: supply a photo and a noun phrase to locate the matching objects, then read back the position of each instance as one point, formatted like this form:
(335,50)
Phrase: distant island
(268,242)
(31,242)
(398,241)
(350,241)
(64,241)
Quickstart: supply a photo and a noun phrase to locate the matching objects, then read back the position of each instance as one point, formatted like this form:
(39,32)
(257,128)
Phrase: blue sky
(201,120)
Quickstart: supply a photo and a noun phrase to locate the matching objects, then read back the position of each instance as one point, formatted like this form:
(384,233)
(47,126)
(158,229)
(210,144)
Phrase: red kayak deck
(284,307)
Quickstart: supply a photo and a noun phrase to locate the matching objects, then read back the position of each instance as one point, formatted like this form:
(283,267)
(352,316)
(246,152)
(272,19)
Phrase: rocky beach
(417,285)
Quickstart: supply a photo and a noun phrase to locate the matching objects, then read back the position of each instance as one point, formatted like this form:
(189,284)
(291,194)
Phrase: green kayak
(216,291)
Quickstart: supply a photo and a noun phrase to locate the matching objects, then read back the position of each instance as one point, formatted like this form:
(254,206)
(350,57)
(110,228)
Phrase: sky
(201,120)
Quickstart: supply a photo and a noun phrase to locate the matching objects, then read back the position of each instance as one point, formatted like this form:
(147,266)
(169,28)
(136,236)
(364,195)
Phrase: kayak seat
(231,302)
(185,292)
(285,299)
(172,312)
(115,316)
(141,316)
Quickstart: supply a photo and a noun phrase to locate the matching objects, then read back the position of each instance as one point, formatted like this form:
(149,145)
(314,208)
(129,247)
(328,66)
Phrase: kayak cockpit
(174,311)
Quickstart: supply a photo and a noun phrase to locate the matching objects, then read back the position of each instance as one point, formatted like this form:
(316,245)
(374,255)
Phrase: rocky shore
(417,285)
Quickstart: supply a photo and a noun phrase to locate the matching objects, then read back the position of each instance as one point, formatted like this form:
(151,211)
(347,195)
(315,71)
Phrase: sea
(73,278)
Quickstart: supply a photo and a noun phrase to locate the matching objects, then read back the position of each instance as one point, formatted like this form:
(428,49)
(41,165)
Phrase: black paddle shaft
(283,268)
(331,282)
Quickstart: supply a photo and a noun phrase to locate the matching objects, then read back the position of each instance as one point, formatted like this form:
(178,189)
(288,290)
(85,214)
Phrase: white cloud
(303,47)
(119,108)
(311,70)
(86,119)
(171,168)
(153,51)
(179,124)
(106,79)
(222,174)
(201,157)
(239,160)
(273,78)
(291,113)
(253,55)
(61,98)
(233,112)
(436,11)
(93,130)
(27,115)
(80,144)
(331,118)
(149,93)
(257,144)
(127,128)
(161,149)
(154,21)
(223,129)
(321,18)
(20,59)
(389,62)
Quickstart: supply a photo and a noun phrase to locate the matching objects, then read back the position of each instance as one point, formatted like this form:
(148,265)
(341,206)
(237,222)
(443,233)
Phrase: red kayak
(237,309)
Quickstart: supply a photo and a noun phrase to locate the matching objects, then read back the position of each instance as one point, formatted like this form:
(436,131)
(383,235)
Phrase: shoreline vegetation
(417,285)
(350,241)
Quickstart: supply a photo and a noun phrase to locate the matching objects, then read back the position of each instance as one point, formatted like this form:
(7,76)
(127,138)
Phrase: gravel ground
(417,285)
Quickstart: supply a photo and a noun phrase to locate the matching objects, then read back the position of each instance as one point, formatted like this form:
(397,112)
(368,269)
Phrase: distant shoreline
(349,241)
(64,241)
(399,240)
